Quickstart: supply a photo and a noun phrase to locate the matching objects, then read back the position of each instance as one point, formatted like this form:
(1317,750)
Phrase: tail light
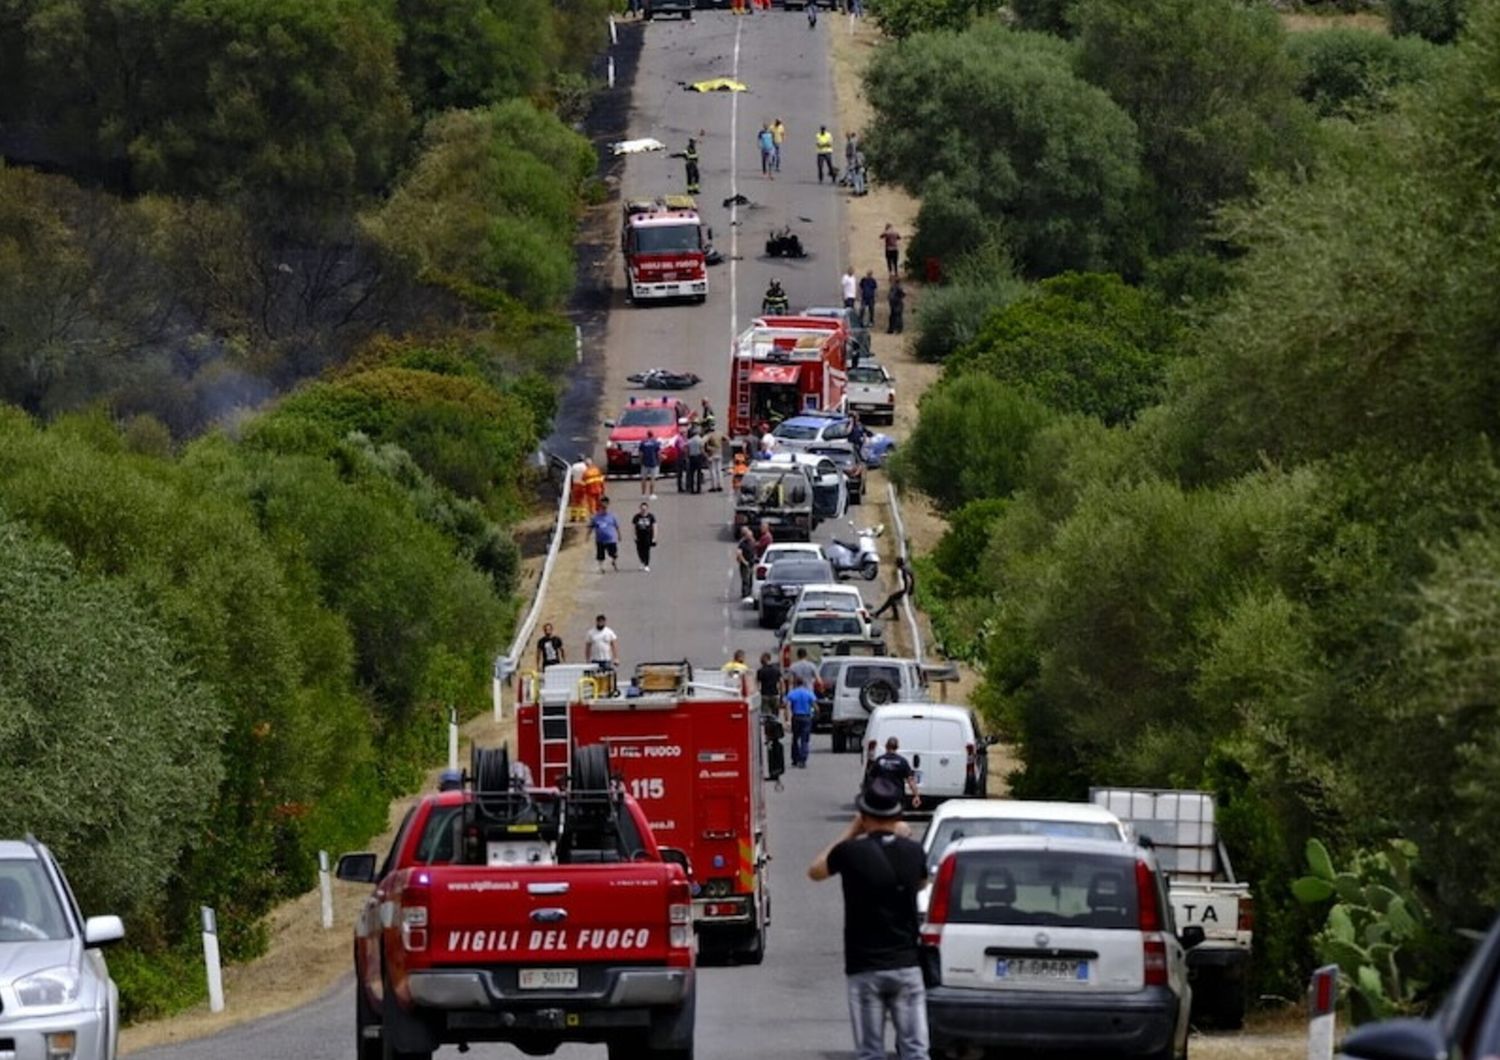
(786,656)
(414,900)
(937,908)
(760,571)
(1153,946)
(680,917)
(1247,914)
(971,763)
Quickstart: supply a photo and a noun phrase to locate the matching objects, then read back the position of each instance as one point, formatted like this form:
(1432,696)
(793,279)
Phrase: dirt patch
(1301,22)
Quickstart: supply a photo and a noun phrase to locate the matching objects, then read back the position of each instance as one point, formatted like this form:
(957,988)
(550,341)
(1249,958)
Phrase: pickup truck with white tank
(1180,825)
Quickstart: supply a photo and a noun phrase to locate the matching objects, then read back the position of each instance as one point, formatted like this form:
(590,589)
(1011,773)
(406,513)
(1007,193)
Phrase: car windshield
(29,907)
(652,417)
(1044,888)
(827,600)
(799,572)
(956,828)
(841,457)
(827,626)
(664,239)
(866,375)
(857,675)
(796,432)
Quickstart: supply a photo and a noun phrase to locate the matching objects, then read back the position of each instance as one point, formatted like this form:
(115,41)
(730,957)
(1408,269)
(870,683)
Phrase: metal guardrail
(506,665)
(906,605)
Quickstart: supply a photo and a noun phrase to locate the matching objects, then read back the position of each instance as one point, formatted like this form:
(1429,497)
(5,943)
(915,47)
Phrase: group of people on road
(860,293)
(604,526)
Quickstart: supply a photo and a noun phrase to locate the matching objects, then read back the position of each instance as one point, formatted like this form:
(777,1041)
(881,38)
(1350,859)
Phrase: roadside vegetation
(1213,437)
(232,621)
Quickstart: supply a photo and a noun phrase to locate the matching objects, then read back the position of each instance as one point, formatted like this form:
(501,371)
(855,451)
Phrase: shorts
(606,548)
(650,471)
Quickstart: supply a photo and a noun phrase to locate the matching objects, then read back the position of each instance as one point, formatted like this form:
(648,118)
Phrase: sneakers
(653,496)
(646,569)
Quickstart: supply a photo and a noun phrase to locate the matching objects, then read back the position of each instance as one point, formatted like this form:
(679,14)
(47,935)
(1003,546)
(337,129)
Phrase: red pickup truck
(534,916)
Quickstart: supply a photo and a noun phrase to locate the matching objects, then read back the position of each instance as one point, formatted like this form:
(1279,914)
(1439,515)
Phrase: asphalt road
(792,1006)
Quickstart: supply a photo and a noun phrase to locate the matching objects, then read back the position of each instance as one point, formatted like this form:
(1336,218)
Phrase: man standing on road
(650,464)
(803,670)
(713,463)
(867,289)
(881,871)
(645,535)
(768,681)
(906,584)
(894,767)
(892,241)
(690,165)
(857,434)
(744,557)
(694,450)
(850,286)
(549,649)
(765,540)
(825,154)
(851,148)
(778,136)
(606,530)
(895,324)
(802,704)
(767,143)
(603,645)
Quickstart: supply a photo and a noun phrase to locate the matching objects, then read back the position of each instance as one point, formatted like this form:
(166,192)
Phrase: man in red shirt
(764,540)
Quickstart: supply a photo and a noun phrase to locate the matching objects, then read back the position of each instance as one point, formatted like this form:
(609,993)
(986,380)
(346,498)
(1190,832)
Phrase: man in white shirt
(850,287)
(603,645)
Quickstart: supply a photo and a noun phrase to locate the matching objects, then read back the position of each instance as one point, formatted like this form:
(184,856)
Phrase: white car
(972,818)
(941,743)
(1062,944)
(829,485)
(781,550)
(56,997)
(831,597)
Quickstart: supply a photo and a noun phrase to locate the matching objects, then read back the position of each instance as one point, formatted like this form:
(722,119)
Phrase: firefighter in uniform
(690,164)
(593,486)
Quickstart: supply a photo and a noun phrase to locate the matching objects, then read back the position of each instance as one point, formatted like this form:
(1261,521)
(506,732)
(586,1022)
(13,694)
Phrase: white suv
(56,996)
(1034,942)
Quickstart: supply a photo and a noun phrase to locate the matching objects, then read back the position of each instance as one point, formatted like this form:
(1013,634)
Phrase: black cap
(880,798)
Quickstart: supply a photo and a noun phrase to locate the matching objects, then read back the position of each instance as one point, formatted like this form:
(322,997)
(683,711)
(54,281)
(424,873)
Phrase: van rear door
(944,759)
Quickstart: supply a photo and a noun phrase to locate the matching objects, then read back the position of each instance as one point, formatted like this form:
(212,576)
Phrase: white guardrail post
(1322,1001)
(452,737)
(211,961)
(325,889)
(614,34)
(907,608)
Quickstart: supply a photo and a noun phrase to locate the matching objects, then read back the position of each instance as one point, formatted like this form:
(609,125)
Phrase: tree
(1438,21)
(1211,90)
(1354,73)
(1046,16)
(903,18)
(992,126)
(1083,343)
(471,53)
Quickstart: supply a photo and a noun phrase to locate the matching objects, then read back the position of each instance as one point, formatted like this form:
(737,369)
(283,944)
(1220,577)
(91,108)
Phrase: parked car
(824,632)
(853,686)
(812,428)
(1065,944)
(851,463)
(783,584)
(830,487)
(832,597)
(871,392)
(1466,1024)
(973,818)
(781,496)
(57,1001)
(942,743)
(665,419)
(781,550)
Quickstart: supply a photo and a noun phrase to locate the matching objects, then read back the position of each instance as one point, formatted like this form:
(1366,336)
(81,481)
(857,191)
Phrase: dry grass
(1301,22)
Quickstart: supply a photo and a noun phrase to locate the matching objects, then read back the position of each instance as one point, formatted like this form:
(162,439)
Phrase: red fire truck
(782,366)
(690,752)
(664,243)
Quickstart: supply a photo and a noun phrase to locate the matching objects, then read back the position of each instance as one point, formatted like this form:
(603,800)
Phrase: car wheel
(839,741)
(367,1045)
(869,570)
(754,951)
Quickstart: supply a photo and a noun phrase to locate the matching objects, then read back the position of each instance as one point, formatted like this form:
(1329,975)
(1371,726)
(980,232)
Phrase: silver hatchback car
(57,1001)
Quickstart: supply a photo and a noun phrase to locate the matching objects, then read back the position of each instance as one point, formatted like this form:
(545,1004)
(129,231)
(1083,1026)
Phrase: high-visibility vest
(825,143)
(690,154)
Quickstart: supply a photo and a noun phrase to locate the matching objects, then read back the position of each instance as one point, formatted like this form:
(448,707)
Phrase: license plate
(1013,968)
(549,978)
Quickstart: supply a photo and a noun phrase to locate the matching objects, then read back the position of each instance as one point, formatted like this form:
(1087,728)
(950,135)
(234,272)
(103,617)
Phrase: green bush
(1352,73)
(903,18)
(1438,21)
(1046,16)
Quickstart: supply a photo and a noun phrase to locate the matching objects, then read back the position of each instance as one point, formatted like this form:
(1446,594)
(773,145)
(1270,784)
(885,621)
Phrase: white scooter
(860,558)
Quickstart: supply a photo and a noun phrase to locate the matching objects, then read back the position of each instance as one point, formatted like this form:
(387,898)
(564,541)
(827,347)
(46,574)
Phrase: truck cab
(664,244)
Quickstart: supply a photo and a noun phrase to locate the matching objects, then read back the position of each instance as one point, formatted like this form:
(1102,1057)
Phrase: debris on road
(715,84)
(635,147)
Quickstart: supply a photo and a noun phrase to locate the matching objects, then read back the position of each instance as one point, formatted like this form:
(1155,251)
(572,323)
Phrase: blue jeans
(801,738)
(899,992)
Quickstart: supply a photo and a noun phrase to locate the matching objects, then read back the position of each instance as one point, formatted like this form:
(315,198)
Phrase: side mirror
(1395,1040)
(1191,936)
(102,930)
(673,856)
(356,868)
(609,424)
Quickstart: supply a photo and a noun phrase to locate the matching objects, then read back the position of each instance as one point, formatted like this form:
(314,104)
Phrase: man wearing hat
(881,870)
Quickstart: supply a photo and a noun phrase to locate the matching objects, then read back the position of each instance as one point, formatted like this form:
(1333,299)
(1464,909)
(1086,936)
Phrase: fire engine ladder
(554,711)
(742,392)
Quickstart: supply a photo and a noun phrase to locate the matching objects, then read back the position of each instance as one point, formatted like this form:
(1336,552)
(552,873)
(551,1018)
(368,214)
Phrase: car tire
(390,1014)
(366,1047)
(754,951)
(840,741)
(878,693)
(869,570)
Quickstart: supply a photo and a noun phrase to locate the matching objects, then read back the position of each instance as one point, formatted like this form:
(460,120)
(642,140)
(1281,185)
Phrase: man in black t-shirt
(881,871)
(894,766)
(645,535)
(549,649)
(768,682)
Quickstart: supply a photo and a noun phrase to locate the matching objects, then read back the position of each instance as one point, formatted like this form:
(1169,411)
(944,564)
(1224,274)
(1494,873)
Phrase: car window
(837,430)
(799,573)
(639,417)
(440,836)
(857,675)
(664,239)
(827,626)
(828,673)
(827,467)
(956,828)
(823,600)
(1044,888)
(796,432)
(29,907)
(866,375)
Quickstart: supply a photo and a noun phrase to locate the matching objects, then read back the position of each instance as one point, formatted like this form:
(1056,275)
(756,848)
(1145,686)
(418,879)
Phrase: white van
(941,742)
